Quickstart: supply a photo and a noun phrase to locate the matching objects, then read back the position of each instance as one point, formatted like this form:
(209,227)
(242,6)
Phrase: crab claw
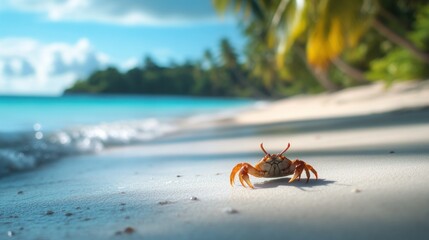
(243,170)
(301,166)
(233,172)
(244,176)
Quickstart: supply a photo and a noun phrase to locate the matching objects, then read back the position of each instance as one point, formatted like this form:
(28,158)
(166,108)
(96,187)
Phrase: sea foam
(26,150)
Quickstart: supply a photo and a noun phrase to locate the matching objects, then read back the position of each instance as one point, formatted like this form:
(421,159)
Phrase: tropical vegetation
(293,46)
(209,76)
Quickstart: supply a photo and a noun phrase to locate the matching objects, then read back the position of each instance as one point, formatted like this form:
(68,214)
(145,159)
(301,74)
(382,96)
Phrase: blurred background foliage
(293,47)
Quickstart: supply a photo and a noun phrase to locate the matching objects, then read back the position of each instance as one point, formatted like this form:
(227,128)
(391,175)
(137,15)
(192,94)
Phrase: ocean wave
(27,150)
(20,151)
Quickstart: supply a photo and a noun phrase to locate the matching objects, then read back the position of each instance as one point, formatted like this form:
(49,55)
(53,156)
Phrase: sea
(36,129)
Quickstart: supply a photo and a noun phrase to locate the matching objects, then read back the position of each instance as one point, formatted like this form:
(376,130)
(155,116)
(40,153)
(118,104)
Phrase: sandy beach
(372,158)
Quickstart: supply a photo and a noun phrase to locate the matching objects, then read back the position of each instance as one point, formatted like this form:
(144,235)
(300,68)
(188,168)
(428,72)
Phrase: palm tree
(326,27)
(228,55)
(233,68)
(268,17)
(211,64)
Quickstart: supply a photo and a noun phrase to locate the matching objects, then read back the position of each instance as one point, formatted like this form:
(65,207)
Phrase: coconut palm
(269,18)
(326,27)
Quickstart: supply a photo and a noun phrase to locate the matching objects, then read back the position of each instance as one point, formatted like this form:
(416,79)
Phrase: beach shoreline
(356,101)
(372,180)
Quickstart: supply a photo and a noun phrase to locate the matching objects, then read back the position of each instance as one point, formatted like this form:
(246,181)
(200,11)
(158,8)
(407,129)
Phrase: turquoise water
(53,113)
(35,130)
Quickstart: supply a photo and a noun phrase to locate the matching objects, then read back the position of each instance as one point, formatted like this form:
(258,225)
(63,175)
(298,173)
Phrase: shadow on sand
(302,185)
(389,119)
(255,156)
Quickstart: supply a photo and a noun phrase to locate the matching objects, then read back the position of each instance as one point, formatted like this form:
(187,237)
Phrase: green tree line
(208,76)
(293,47)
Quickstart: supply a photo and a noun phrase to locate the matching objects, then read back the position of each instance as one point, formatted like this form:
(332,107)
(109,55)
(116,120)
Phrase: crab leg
(309,167)
(298,170)
(300,167)
(307,173)
(244,169)
(244,176)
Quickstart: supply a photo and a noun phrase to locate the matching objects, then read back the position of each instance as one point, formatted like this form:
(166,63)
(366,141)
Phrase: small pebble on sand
(230,210)
(179,176)
(129,230)
(164,202)
(193,198)
(356,190)
(49,212)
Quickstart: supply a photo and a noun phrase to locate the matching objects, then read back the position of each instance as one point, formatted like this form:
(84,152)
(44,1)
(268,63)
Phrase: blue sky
(47,45)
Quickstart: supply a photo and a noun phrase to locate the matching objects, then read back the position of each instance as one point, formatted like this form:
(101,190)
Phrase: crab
(272,166)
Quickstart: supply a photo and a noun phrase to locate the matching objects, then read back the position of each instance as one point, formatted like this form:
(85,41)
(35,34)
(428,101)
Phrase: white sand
(374,175)
(375,98)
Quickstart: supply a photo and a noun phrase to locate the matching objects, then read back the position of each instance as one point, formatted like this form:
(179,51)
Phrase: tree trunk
(349,70)
(319,74)
(323,78)
(401,41)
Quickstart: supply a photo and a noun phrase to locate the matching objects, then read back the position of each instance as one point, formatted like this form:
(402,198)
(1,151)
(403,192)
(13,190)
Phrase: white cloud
(127,12)
(30,67)
(17,67)
(130,63)
(162,54)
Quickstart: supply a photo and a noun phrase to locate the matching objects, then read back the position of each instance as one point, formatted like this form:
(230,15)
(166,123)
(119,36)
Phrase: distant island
(214,75)
(223,77)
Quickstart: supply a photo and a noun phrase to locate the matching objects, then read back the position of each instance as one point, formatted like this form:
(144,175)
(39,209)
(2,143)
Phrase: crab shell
(275,166)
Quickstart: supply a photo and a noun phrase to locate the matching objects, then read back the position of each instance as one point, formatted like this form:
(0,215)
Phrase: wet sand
(373,176)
